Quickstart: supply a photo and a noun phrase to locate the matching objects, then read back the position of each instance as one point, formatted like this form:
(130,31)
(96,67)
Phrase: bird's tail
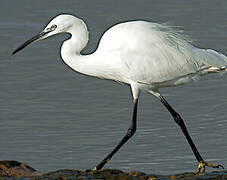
(216,69)
(214,61)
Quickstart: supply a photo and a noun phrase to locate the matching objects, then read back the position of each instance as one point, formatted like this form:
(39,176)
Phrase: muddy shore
(14,170)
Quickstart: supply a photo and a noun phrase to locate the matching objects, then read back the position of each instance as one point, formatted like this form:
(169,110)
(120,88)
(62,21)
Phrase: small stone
(16,169)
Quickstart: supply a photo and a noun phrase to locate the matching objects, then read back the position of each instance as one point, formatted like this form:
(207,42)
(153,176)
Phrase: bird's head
(60,24)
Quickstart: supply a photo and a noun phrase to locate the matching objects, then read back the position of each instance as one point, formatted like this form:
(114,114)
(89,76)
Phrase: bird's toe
(202,166)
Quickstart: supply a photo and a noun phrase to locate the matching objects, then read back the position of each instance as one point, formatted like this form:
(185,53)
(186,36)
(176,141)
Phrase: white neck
(79,38)
(71,48)
(96,64)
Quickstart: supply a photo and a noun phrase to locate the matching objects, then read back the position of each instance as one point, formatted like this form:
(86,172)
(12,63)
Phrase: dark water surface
(52,117)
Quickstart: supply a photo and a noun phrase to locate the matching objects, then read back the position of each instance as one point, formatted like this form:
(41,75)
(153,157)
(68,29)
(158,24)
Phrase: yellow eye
(53,27)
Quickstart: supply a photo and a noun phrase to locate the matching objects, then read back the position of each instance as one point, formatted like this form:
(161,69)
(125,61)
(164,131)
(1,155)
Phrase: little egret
(145,55)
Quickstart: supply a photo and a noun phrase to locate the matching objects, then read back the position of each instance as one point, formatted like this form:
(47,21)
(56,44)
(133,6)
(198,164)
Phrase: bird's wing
(159,65)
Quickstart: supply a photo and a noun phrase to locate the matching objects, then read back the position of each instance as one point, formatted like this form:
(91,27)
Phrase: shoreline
(11,170)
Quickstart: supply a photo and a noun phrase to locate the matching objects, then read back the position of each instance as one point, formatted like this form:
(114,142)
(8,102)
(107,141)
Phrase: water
(52,117)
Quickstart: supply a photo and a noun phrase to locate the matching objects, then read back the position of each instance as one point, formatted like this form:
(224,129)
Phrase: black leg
(180,122)
(129,134)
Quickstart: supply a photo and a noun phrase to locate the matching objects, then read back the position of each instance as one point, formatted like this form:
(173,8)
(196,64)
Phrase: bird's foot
(202,166)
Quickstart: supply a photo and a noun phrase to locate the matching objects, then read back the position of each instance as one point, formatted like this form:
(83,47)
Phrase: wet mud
(14,170)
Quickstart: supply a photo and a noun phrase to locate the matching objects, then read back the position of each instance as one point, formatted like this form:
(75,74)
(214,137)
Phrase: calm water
(52,117)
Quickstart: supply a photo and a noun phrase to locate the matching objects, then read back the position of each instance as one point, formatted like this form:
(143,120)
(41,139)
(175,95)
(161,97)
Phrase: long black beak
(33,39)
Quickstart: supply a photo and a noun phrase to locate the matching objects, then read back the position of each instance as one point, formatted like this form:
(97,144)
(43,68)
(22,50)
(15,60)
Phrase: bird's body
(155,54)
(145,55)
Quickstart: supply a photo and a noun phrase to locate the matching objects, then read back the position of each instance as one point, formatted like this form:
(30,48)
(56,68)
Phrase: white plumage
(145,55)
(156,55)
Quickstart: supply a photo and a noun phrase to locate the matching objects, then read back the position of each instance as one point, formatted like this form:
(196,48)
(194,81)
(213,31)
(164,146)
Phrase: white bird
(145,55)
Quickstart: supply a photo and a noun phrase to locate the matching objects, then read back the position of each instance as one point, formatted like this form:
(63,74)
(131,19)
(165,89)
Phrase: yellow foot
(202,166)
